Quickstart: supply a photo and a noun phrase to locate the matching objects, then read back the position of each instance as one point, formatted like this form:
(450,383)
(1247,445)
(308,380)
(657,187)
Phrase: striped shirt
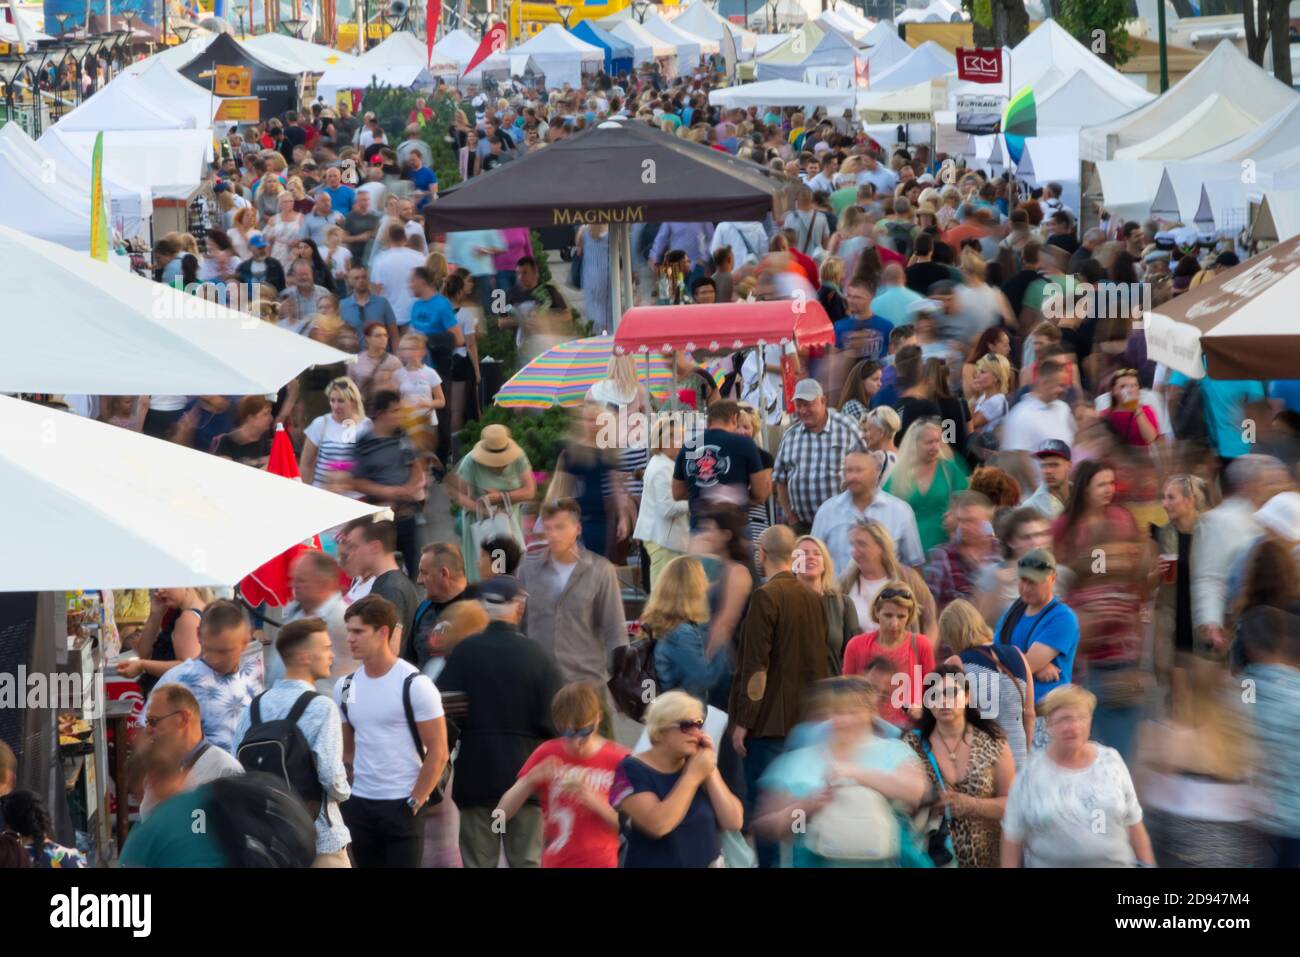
(334,442)
(812,463)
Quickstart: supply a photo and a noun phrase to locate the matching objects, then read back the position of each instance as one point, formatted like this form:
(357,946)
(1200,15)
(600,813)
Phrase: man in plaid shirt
(952,569)
(810,462)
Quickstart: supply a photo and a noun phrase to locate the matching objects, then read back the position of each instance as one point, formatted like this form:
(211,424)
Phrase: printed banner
(979,65)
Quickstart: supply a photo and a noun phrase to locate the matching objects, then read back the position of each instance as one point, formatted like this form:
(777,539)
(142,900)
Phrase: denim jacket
(680,662)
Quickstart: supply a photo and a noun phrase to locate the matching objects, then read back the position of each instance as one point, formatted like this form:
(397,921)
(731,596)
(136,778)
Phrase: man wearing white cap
(810,462)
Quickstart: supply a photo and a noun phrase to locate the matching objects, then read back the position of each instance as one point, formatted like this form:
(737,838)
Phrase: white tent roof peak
(1214,121)
(929,61)
(1050,47)
(127,103)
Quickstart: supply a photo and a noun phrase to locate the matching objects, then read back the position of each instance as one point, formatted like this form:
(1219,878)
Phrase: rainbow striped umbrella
(562,375)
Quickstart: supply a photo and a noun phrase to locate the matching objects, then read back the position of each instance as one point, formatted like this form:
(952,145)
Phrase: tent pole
(615,276)
(629,281)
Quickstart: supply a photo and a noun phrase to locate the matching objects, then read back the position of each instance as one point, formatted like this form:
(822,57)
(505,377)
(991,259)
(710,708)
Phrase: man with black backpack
(294,734)
(394,738)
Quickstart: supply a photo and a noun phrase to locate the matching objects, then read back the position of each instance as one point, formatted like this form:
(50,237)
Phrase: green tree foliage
(1099,25)
(393,107)
(540,435)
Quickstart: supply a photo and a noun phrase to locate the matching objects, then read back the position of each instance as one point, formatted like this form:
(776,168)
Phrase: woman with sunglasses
(674,798)
(896,638)
(849,766)
(677,616)
(968,764)
(571,775)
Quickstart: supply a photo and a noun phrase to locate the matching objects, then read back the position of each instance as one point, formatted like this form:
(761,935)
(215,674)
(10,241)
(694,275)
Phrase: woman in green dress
(495,477)
(926,477)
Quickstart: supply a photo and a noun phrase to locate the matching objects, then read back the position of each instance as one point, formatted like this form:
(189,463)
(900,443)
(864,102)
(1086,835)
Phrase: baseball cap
(257,241)
(1053,447)
(808,390)
(1281,515)
(1036,565)
(501,590)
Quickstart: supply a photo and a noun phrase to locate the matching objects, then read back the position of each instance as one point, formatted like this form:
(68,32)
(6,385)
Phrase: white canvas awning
(94,505)
(913,104)
(1048,159)
(121,334)
(297,56)
(781,93)
(169,163)
(1214,121)
(128,103)
(1128,187)
(400,76)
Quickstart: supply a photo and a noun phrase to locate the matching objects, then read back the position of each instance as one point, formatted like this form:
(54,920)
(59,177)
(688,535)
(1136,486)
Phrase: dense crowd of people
(985,587)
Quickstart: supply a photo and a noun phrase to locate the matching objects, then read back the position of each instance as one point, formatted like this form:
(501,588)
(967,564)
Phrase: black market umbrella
(618,172)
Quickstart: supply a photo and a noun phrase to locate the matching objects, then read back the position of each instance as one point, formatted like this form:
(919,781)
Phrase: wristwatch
(413,804)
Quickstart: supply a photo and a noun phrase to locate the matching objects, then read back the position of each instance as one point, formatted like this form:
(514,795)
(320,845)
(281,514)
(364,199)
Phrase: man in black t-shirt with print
(721,465)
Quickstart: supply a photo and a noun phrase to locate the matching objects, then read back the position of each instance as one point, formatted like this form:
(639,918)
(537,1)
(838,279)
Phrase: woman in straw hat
(495,477)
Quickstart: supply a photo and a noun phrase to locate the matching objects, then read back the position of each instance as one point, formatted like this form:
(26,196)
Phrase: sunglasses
(581,734)
(1036,564)
(888,593)
(154,722)
(686,727)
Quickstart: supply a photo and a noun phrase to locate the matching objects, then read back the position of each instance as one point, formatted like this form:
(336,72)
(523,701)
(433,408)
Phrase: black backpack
(257,824)
(280,749)
(900,236)
(1189,416)
(453,732)
(632,674)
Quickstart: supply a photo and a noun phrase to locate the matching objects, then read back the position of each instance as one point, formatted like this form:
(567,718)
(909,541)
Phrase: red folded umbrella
(271,582)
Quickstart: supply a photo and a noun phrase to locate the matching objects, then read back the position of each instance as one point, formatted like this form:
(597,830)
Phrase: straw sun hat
(495,449)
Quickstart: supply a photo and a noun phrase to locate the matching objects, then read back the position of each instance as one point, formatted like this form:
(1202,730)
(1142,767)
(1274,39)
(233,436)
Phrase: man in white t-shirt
(390,273)
(1040,415)
(396,762)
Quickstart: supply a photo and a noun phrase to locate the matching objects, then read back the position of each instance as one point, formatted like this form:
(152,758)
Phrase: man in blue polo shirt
(866,335)
(342,197)
(1045,629)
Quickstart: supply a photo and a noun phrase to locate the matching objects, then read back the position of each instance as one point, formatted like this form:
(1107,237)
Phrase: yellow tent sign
(234,81)
(240,109)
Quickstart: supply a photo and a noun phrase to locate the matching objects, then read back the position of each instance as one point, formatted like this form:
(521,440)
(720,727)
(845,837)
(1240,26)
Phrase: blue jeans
(759,753)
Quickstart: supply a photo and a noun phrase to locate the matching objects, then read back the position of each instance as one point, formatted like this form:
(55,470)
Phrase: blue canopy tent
(618,53)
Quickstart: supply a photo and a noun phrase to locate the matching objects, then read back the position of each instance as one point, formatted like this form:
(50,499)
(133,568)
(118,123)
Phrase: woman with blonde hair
(677,618)
(242,225)
(330,438)
(284,229)
(926,477)
(1065,789)
(267,199)
(1193,773)
(988,397)
(875,564)
(949,204)
(1180,548)
(879,428)
(436,263)
(1000,669)
(911,654)
(663,524)
(815,570)
(672,795)
(301,201)
(984,304)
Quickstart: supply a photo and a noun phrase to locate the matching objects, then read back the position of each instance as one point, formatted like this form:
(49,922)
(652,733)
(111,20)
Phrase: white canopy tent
(122,334)
(940,11)
(1179,192)
(1076,102)
(293,55)
(927,62)
(1212,122)
(781,93)
(1127,187)
(399,76)
(1048,159)
(459,47)
(703,22)
(1278,217)
(645,45)
(1049,55)
(140,511)
(181,95)
(835,20)
(128,103)
(1226,72)
(169,163)
(177,56)
(400,47)
(1278,135)
(767,42)
(559,55)
(49,210)
(912,104)
(130,206)
(690,47)
(884,48)
(1223,207)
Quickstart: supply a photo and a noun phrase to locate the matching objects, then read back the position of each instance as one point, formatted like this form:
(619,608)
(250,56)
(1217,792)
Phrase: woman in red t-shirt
(898,641)
(572,775)
(1133,422)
